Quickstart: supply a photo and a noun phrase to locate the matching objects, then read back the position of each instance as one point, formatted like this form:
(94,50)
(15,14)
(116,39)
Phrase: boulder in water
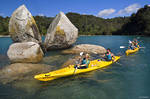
(22,26)
(61,33)
(25,52)
(21,71)
(87,48)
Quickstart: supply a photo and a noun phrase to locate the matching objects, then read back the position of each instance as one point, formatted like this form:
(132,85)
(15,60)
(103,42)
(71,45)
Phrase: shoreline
(4,35)
(85,35)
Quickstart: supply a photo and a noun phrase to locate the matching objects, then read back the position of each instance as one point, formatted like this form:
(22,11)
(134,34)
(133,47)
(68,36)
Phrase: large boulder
(87,48)
(61,33)
(25,52)
(21,71)
(22,26)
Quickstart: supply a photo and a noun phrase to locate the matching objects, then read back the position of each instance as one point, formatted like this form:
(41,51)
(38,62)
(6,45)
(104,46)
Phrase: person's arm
(103,55)
(80,60)
(113,56)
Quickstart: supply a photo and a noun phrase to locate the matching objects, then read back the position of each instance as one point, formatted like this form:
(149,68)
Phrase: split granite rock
(22,26)
(25,52)
(87,48)
(61,33)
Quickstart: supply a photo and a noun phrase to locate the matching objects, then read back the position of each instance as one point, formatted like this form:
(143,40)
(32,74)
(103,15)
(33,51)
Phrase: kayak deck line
(69,70)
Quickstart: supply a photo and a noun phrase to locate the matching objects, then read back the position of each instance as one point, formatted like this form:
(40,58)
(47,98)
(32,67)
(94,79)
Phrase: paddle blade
(81,53)
(130,41)
(122,46)
(142,47)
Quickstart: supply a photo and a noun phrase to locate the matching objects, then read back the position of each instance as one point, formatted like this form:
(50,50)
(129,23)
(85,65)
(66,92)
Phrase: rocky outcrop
(88,48)
(71,61)
(4,60)
(20,71)
(25,52)
(22,26)
(61,33)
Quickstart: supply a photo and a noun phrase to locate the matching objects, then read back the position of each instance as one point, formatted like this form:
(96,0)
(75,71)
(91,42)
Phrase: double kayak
(70,70)
(129,51)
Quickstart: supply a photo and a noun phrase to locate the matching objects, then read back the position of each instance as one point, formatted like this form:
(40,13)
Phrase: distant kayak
(129,51)
(70,70)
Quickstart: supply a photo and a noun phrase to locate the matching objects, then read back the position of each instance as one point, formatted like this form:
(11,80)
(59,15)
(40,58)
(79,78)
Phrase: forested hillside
(137,24)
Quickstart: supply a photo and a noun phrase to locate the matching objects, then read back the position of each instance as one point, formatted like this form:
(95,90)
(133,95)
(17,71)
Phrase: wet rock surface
(22,71)
(71,61)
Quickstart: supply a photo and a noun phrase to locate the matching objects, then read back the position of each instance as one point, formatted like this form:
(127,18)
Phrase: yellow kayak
(70,70)
(129,51)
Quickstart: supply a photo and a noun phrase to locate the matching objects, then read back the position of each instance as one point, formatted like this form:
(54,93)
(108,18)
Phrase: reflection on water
(130,80)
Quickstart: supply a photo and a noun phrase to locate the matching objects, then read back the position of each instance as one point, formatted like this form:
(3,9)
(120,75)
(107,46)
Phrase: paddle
(141,47)
(122,46)
(125,47)
(118,63)
(77,63)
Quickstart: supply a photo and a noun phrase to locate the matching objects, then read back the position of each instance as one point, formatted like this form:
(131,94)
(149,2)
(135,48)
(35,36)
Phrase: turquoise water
(127,80)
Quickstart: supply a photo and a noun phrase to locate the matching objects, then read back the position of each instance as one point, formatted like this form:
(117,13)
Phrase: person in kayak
(108,55)
(135,42)
(131,45)
(84,63)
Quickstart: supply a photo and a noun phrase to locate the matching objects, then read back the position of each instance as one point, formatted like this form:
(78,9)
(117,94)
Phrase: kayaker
(108,55)
(131,45)
(84,62)
(135,42)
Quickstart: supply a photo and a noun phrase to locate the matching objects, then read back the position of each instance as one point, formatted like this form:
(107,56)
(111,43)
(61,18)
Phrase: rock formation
(71,61)
(20,71)
(25,52)
(61,33)
(22,26)
(88,48)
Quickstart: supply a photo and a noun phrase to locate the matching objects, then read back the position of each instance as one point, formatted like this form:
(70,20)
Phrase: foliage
(91,25)
(4,25)
(137,24)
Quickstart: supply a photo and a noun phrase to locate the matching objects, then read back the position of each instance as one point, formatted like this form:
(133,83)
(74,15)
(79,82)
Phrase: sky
(99,8)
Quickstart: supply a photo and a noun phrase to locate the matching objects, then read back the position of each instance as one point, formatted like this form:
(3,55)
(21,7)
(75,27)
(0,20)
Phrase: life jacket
(108,56)
(131,46)
(83,61)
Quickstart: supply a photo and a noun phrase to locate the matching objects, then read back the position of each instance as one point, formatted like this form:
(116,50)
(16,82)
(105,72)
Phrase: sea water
(127,79)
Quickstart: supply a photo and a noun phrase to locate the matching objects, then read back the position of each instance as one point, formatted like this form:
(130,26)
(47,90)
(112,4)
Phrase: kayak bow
(129,51)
